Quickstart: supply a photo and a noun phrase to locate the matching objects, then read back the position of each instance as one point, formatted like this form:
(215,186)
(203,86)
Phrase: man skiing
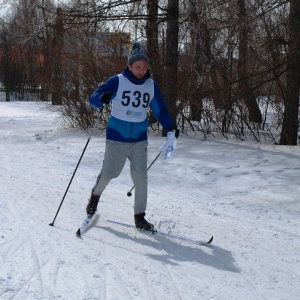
(131,93)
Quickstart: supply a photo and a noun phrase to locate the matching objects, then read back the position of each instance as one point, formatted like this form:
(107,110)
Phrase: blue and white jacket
(131,99)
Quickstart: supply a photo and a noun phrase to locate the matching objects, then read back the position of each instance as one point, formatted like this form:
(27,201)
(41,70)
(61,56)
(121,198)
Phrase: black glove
(175,130)
(106,97)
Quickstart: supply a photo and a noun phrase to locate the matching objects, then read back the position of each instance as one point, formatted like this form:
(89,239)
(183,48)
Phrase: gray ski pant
(115,157)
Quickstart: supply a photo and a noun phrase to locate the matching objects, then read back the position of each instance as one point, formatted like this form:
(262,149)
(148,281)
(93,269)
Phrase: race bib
(132,101)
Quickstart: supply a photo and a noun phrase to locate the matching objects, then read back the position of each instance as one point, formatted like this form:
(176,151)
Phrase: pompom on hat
(136,53)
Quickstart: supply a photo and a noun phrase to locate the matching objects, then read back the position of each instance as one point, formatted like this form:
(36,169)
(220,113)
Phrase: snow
(246,194)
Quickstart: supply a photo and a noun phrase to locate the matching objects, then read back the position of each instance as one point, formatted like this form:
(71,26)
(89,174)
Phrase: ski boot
(141,223)
(92,204)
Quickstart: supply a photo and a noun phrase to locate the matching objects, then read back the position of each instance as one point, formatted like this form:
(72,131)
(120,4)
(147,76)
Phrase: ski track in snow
(245,194)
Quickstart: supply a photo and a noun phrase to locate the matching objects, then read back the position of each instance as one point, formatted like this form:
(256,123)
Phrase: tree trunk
(171,57)
(58,43)
(245,90)
(152,46)
(6,67)
(290,120)
(152,39)
(198,34)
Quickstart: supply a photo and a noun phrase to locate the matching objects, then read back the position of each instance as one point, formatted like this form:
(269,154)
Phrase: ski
(84,225)
(173,236)
(152,231)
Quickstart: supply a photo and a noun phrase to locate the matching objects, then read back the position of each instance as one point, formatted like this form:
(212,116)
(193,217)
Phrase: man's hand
(167,149)
(168,141)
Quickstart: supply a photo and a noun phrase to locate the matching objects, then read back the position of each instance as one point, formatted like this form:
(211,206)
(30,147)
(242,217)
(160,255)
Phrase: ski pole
(129,194)
(87,142)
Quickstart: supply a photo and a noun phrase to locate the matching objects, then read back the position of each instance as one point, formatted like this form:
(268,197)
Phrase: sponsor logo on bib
(131,113)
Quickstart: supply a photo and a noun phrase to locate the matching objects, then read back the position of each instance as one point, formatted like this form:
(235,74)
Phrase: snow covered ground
(246,194)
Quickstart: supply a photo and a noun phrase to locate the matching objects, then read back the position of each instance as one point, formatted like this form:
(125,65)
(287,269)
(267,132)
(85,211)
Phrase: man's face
(138,69)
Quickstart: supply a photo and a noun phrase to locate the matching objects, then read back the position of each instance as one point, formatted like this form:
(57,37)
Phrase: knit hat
(136,53)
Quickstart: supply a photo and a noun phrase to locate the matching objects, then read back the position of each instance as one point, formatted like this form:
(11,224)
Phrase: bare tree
(291,114)
(57,57)
(244,68)
(218,71)
(199,42)
(152,28)
(171,62)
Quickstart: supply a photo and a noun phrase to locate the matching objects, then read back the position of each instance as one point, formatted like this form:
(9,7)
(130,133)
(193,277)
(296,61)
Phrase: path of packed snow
(244,193)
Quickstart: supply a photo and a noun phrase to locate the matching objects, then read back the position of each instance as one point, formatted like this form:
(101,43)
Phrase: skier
(131,93)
